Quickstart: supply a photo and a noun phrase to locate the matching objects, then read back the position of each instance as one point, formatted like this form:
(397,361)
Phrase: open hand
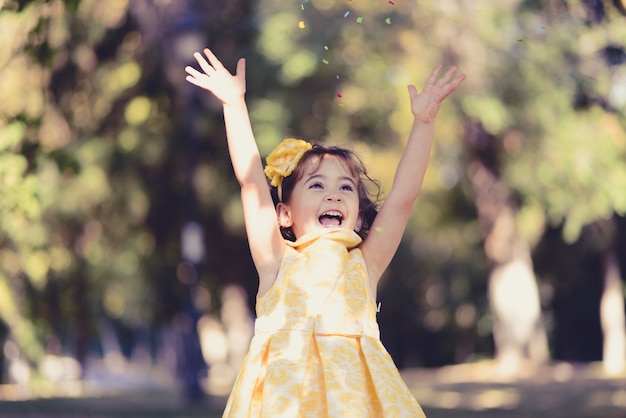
(227,87)
(425,105)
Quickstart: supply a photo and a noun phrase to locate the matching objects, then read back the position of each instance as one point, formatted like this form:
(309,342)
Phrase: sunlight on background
(225,343)
(90,155)
(477,387)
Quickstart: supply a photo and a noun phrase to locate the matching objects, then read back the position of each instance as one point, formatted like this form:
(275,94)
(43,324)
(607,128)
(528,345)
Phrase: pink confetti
(339,96)
(392,3)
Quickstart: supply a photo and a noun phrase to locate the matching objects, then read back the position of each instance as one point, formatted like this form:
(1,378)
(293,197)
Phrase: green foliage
(98,134)
(66,214)
(528,63)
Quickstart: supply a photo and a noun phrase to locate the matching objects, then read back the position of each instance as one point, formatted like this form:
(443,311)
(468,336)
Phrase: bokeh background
(123,258)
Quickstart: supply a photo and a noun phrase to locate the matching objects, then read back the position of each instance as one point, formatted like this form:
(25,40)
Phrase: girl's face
(325,197)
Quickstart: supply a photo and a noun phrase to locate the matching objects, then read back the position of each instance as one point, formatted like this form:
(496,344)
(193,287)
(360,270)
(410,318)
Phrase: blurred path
(468,391)
(556,390)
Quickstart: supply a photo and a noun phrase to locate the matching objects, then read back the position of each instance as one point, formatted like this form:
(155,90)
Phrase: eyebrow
(323,177)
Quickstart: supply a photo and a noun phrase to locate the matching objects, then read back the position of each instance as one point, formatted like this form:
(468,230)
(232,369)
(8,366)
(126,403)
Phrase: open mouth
(332,218)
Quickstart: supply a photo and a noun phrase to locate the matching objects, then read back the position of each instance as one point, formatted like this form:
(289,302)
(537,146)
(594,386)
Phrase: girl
(316,350)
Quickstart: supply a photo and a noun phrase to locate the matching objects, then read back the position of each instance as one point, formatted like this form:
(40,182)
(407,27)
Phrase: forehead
(327,164)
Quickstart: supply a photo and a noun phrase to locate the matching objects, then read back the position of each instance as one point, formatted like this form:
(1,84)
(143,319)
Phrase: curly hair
(369,197)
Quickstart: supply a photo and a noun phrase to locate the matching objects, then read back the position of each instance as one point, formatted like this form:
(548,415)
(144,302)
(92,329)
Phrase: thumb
(412,91)
(241,69)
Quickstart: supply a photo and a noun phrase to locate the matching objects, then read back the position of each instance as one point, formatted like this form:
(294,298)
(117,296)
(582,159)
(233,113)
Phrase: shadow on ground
(477,390)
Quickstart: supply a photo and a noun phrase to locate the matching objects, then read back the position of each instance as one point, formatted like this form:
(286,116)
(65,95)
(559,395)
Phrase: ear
(284,215)
(359,223)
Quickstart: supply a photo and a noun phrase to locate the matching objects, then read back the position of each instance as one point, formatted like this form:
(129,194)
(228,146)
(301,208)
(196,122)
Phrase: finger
(193,72)
(453,85)
(216,63)
(195,81)
(206,67)
(446,77)
(433,75)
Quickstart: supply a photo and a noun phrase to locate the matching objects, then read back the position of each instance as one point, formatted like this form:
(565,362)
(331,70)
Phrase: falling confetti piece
(337,76)
(302,6)
(520,40)
(388,21)
(339,96)
(325,61)
(378,229)
(346,14)
(326,47)
(359,19)
(540,28)
(301,24)
(392,3)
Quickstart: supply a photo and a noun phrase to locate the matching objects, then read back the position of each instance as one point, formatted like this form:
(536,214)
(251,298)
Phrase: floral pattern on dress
(316,350)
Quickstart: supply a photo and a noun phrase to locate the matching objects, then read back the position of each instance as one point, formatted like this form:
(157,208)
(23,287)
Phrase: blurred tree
(83,137)
(545,129)
(107,156)
(526,153)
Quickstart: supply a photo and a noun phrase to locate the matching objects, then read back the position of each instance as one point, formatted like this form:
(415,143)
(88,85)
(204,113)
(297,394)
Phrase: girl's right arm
(266,243)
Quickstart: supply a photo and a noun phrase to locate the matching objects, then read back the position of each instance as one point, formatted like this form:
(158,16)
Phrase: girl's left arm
(385,234)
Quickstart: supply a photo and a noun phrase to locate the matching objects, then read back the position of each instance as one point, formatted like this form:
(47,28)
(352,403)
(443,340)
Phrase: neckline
(350,238)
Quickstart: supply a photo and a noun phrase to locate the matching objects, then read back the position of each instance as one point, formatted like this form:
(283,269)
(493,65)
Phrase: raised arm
(265,240)
(386,232)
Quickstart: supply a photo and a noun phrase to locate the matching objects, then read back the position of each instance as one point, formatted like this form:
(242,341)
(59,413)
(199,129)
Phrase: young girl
(316,350)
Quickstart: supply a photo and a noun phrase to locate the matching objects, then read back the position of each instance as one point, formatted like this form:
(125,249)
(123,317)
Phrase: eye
(316,186)
(347,188)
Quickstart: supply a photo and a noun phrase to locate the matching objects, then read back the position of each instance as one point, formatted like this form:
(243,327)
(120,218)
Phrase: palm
(217,79)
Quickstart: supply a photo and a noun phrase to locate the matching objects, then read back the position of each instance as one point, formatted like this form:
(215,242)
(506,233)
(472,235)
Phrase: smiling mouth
(331,218)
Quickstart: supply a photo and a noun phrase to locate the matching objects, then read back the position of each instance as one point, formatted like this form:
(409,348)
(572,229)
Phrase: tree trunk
(612,317)
(518,330)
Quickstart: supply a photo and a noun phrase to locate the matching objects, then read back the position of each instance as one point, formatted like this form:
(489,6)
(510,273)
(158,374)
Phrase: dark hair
(368,196)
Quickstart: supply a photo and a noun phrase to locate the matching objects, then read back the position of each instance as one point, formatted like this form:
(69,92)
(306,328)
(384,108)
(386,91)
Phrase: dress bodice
(322,287)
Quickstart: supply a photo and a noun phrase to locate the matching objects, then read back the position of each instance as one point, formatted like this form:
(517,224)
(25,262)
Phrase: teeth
(331,218)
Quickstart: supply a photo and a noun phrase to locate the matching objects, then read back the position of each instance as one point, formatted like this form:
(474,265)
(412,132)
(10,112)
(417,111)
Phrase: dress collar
(347,236)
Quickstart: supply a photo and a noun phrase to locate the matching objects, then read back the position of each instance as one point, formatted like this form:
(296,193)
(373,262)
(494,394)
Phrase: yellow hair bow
(283,160)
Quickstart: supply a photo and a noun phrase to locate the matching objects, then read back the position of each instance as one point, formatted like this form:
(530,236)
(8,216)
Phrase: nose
(333,197)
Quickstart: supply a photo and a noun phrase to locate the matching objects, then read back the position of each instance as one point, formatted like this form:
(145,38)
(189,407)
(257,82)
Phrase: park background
(123,259)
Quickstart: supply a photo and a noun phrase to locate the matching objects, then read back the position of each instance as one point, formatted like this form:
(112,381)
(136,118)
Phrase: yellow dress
(316,351)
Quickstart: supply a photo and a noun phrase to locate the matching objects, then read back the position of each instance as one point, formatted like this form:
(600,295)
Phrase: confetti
(325,61)
(520,40)
(346,14)
(540,28)
(326,47)
(359,19)
(301,24)
(378,229)
(388,21)
(339,96)
(392,3)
